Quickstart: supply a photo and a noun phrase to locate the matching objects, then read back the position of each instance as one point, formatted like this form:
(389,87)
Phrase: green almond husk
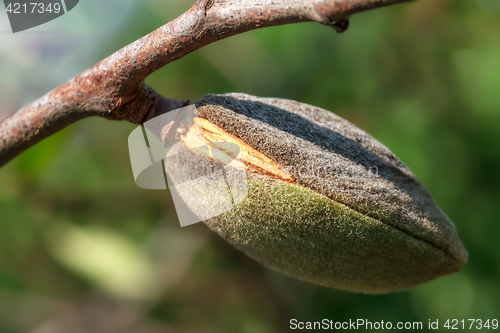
(340,224)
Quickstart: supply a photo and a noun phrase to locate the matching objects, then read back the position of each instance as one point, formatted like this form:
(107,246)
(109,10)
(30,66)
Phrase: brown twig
(114,88)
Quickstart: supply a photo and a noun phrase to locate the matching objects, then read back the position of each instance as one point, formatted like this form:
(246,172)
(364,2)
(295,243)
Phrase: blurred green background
(83,249)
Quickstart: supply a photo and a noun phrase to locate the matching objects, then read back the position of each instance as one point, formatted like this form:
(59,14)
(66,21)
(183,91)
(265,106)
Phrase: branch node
(341,25)
(206,5)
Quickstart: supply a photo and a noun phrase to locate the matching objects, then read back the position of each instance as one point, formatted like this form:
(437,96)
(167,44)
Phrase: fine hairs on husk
(340,211)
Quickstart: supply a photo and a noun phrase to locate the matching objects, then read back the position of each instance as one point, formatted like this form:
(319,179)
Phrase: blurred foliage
(82,249)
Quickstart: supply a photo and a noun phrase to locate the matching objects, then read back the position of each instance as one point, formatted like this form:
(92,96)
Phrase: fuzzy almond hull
(315,210)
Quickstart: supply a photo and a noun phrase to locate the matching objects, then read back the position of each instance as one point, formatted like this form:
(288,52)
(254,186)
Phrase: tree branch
(114,88)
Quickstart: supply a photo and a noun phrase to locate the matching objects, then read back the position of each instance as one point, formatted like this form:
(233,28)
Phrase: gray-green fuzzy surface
(356,218)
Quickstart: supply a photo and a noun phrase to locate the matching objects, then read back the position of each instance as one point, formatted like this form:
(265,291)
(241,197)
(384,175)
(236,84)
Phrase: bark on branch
(114,88)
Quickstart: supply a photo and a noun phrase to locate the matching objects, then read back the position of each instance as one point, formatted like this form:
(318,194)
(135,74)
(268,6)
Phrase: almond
(326,203)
